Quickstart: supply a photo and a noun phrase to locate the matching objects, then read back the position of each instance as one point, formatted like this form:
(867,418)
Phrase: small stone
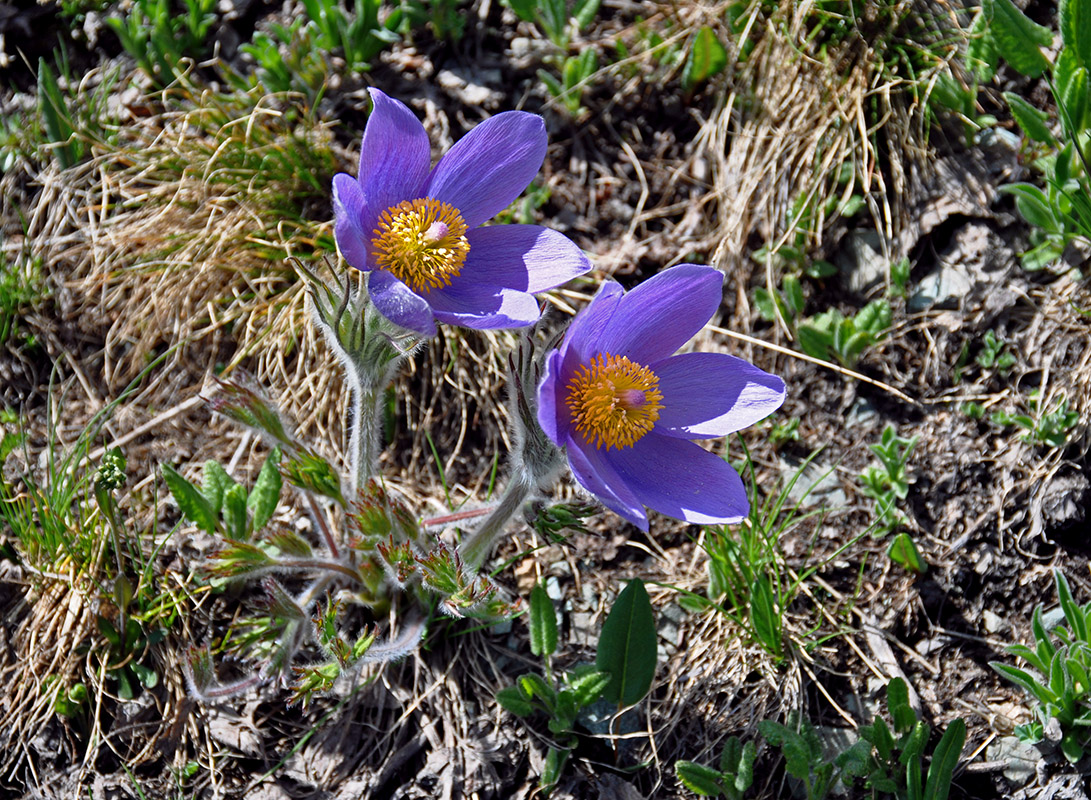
(993,622)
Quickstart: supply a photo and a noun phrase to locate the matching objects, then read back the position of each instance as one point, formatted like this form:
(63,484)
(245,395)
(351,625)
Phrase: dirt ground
(646,176)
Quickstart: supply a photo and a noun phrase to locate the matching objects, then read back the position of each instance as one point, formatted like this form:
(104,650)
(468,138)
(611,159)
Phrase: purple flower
(416,230)
(625,408)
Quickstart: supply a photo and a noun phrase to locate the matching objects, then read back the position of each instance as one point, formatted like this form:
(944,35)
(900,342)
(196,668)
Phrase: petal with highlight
(473,305)
(663,313)
(552,414)
(682,480)
(399,304)
(395,156)
(489,167)
(713,394)
(525,257)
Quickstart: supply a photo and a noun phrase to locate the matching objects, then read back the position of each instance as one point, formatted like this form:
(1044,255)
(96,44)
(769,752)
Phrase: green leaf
(214,482)
(55,116)
(535,686)
(265,495)
(793,295)
(706,58)
(897,700)
(903,551)
(584,12)
(543,623)
(1075,24)
(234,512)
(763,615)
(1074,102)
(627,646)
(511,699)
(1042,256)
(698,778)
(1030,119)
(524,9)
(587,684)
(1033,205)
(944,760)
(191,502)
(1017,37)
(551,770)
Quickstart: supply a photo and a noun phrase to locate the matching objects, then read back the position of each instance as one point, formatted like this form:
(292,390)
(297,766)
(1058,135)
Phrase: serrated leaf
(1017,37)
(543,623)
(706,58)
(191,502)
(265,495)
(698,778)
(1030,119)
(627,646)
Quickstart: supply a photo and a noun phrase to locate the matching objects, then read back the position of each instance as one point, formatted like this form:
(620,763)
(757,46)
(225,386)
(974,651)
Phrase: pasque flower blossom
(625,408)
(417,232)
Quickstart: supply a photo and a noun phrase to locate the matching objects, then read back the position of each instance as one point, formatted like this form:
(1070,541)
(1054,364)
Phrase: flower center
(422,243)
(613,401)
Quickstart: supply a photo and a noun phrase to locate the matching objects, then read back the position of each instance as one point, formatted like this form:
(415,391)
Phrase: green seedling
(622,673)
(734,776)
(888,482)
(994,355)
(1050,428)
(1060,682)
(832,334)
(576,73)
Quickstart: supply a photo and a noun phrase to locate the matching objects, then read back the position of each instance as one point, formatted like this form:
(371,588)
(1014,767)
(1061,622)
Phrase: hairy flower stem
(364,436)
(476,548)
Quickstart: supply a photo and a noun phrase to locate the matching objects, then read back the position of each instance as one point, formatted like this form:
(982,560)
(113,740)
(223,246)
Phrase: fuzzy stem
(364,434)
(476,548)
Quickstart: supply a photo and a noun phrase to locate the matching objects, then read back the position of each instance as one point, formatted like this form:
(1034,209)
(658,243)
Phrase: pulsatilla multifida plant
(611,402)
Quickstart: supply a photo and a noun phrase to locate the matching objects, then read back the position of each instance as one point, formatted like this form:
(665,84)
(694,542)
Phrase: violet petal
(473,305)
(394,157)
(489,167)
(348,211)
(526,257)
(598,476)
(680,479)
(664,312)
(399,304)
(713,394)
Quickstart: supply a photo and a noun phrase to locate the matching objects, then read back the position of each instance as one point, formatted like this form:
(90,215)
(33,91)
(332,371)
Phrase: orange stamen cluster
(613,401)
(422,243)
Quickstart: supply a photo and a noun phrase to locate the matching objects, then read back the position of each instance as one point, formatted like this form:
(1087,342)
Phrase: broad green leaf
(982,57)
(793,294)
(535,686)
(513,700)
(543,623)
(914,790)
(524,9)
(944,760)
(1017,37)
(698,778)
(587,686)
(191,502)
(234,512)
(627,646)
(1033,205)
(1075,24)
(214,482)
(265,495)
(1030,119)
(706,58)
(551,771)
(1042,256)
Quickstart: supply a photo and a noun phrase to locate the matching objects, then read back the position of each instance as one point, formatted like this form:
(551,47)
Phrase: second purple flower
(625,407)
(416,230)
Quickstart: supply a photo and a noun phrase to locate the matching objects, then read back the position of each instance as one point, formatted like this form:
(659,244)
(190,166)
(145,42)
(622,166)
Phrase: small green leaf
(897,700)
(513,700)
(191,502)
(706,58)
(763,615)
(1034,206)
(1017,37)
(234,512)
(584,12)
(1030,119)
(535,686)
(552,768)
(627,646)
(543,623)
(1075,24)
(265,495)
(903,551)
(1074,103)
(698,778)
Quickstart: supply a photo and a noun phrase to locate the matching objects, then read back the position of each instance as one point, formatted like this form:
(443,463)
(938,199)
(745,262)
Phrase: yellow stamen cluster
(422,243)
(613,401)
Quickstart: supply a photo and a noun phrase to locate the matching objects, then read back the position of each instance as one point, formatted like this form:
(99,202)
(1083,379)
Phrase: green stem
(366,427)
(476,548)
